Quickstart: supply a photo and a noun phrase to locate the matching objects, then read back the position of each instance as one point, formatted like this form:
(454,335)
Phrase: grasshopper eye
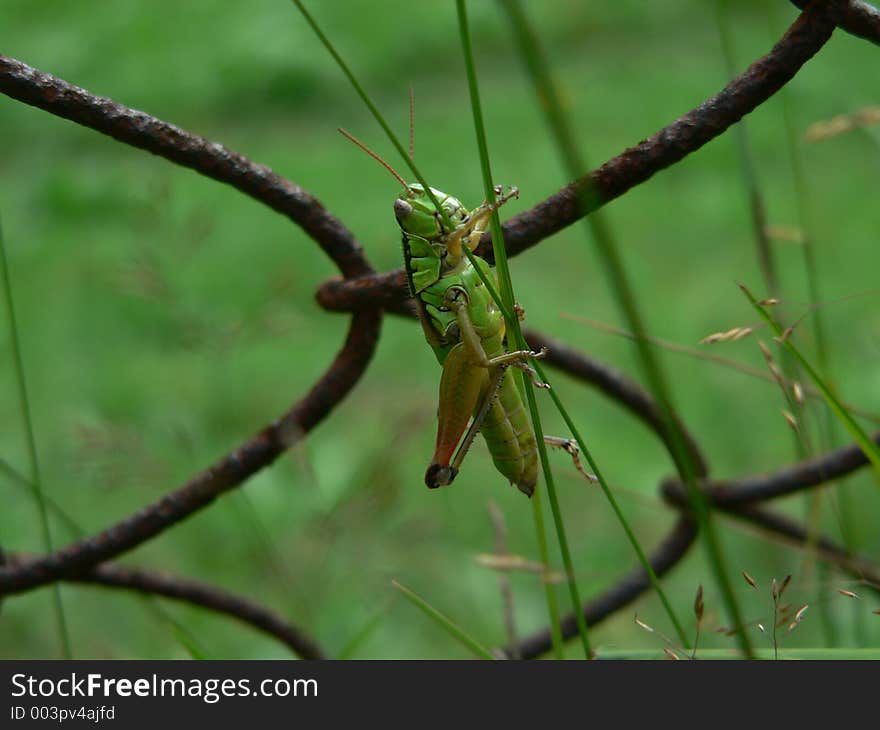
(402,209)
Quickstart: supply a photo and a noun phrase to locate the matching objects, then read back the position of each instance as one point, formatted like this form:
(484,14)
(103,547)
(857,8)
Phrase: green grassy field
(164,317)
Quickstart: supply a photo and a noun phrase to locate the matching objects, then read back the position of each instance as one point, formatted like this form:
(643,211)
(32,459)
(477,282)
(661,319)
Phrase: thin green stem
(374,110)
(507,297)
(364,633)
(728,654)
(763,244)
(549,588)
(150,602)
(444,622)
(552,606)
(575,165)
(609,495)
(60,515)
(551,597)
(864,441)
(802,201)
(35,478)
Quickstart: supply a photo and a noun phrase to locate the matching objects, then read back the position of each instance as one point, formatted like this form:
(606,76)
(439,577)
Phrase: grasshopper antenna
(412,122)
(375,156)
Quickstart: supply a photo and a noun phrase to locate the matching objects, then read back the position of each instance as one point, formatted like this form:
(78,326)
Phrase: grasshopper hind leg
(571,447)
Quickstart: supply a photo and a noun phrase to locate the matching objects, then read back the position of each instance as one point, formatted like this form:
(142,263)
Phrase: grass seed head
(786,333)
(775,372)
(797,617)
(841,124)
(731,335)
(784,233)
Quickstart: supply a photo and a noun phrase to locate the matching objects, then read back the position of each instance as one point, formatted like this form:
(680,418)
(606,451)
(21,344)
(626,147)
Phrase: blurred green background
(165,317)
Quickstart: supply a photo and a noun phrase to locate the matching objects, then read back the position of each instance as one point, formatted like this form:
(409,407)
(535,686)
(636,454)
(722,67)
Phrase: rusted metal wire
(138,129)
(187,590)
(673,549)
(626,590)
(857,18)
(788,480)
(616,386)
(229,472)
(632,167)
(791,531)
(367,293)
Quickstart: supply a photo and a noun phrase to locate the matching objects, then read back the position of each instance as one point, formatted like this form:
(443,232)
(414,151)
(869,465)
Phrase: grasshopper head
(417,216)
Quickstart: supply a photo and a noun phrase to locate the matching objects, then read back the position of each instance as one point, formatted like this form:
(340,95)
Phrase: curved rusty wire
(631,167)
(776,524)
(138,129)
(787,480)
(365,292)
(618,387)
(197,593)
(626,590)
(857,18)
(229,472)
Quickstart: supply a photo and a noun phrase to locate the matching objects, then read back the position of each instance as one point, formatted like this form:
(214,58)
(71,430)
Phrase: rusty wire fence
(366,296)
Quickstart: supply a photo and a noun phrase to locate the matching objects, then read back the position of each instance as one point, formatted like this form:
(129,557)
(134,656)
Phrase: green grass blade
(749,176)
(513,324)
(444,622)
(811,654)
(363,633)
(35,478)
(575,165)
(864,441)
(604,484)
(730,364)
(22,481)
(827,434)
(609,495)
(374,110)
(507,312)
(549,588)
(764,248)
(537,510)
(180,633)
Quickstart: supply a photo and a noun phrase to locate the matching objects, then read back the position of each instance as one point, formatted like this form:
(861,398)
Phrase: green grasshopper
(466,330)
